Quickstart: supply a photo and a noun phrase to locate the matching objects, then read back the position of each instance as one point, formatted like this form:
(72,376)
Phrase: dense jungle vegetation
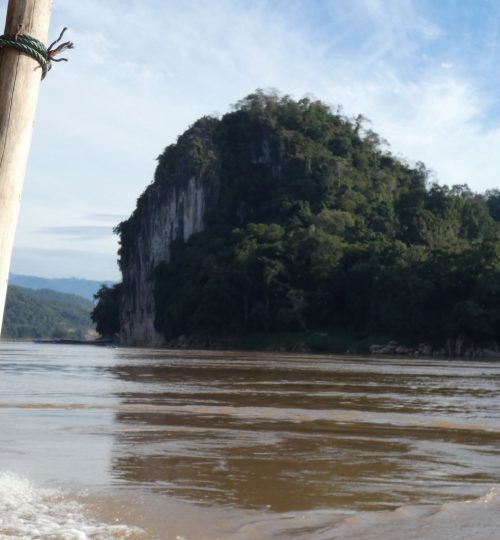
(319,226)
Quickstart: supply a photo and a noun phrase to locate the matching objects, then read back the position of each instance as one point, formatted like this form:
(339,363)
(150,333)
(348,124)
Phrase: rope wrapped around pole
(36,49)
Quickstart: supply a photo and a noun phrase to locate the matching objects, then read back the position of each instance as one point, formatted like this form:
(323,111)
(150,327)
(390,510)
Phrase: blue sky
(425,72)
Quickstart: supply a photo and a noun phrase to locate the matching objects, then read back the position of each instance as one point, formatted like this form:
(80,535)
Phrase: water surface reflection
(299,433)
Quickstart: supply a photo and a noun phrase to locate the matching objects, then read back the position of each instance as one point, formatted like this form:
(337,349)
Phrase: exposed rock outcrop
(186,187)
(172,208)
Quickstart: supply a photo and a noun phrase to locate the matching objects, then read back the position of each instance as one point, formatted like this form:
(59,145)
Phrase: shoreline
(313,342)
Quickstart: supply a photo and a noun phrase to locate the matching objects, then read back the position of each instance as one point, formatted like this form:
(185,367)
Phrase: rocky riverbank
(316,342)
(453,348)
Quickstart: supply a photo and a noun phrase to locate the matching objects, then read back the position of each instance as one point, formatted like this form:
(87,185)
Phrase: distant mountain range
(81,287)
(46,314)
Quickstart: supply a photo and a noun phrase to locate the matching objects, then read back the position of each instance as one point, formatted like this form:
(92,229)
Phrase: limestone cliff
(285,216)
(172,208)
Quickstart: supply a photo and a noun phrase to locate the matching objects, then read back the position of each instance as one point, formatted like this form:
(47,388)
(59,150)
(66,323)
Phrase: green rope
(36,49)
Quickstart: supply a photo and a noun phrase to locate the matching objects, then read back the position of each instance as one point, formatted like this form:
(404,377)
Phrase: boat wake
(31,513)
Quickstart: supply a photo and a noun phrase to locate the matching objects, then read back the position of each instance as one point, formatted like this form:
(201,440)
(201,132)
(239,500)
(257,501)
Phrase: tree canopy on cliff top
(318,224)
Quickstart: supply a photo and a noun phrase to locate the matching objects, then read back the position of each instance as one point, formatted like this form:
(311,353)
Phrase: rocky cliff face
(172,208)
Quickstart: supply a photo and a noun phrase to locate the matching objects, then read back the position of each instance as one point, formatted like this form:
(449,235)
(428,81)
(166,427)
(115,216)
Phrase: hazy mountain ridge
(81,287)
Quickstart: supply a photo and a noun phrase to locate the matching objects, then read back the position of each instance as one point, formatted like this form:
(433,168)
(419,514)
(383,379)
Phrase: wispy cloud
(78,232)
(114,219)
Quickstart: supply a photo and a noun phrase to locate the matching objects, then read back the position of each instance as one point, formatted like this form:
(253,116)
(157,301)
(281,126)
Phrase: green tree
(106,313)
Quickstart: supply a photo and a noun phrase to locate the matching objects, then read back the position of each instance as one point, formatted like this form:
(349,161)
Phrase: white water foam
(31,513)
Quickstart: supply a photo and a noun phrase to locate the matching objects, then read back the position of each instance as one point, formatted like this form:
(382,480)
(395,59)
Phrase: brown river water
(102,443)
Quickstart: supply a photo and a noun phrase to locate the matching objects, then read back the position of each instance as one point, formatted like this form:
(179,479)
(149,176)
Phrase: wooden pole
(19,86)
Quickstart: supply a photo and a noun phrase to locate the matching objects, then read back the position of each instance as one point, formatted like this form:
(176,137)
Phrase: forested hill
(316,225)
(45,314)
